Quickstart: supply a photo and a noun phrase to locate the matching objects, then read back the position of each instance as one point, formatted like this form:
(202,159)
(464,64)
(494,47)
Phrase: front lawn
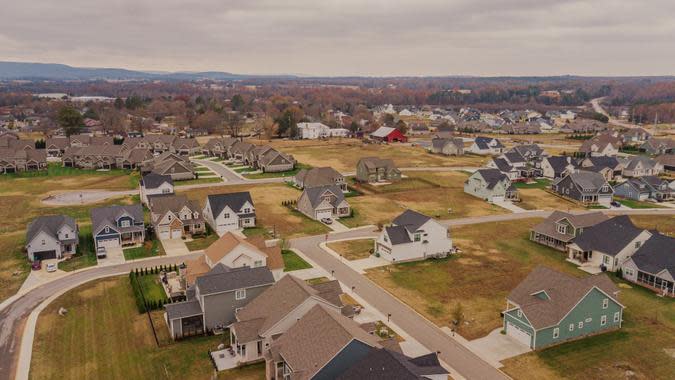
(198,181)
(86,254)
(637,204)
(289,173)
(106,338)
(293,262)
(202,242)
(541,183)
(540,199)
(353,249)
(149,248)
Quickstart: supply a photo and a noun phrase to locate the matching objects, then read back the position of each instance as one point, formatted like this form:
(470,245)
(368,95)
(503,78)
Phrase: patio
(225,359)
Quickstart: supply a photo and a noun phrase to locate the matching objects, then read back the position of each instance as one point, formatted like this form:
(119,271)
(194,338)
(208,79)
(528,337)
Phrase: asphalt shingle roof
(656,254)
(384,364)
(609,237)
(222,279)
(50,224)
(234,200)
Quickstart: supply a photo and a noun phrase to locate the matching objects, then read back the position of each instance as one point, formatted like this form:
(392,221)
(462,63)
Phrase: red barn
(388,135)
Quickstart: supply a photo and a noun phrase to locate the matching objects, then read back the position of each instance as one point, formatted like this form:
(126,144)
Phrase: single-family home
(556,166)
(635,135)
(638,166)
(644,188)
(313,130)
(608,167)
(486,146)
(384,363)
(323,202)
(239,150)
(607,245)
(117,226)
(56,146)
(274,161)
(601,145)
(155,184)
(185,146)
(585,187)
(175,216)
(491,185)
(171,164)
(667,161)
(316,177)
(51,237)
(218,147)
(549,308)
(229,212)
(374,169)
(560,228)
(235,251)
(388,135)
(653,265)
(656,146)
(413,236)
(448,146)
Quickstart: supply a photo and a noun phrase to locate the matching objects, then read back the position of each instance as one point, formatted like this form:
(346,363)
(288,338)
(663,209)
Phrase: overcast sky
(347,37)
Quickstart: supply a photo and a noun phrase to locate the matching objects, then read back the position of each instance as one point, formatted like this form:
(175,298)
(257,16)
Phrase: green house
(550,308)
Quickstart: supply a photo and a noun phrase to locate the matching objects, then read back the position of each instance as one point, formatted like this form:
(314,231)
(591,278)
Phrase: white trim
(578,302)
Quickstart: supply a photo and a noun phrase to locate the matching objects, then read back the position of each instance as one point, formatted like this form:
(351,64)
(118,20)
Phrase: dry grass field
(353,249)
(539,199)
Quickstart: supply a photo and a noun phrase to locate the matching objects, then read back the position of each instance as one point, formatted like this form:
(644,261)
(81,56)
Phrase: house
(667,161)
(82,140)
(656,146)
(51,237)
(491,185)
(316,177)
(20,160)
(486,146)
(388,135)
(607,245)
(239,150)
(274,161)
(155,184)
(601,145)
(229,212)
(235,251)
(635,135)
(338,132)
(413,236)
(92,156)
(502,164)
(560,228)
(218,147)
(175,216)
(117,226)
(653,265)
(638,166)
(374,169)
(556,166)
(313,130)
(323,202)
(185,146)
(585,187)
(608,167)
(448,146)
(171,164)
(56,146)
(322,344)
(214,299)
(383,363)
(644,188)
(549,308)
(278,308)
(159,144)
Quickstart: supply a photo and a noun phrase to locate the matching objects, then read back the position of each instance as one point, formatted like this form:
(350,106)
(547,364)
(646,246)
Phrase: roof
(502,165)
(182,309)
(482,142)
(608,237)
(49,224)
(440,143)
(492,177)
(316,338)
(559,163)
(564,292)
(398,235)
(383,132)
(588,181)
(645,161)
(195,268)
(548,226)
(235,201)
(384,364)
(372,163)
(412,219)
(656,254)
(318,176)
(223,279)
(109,215)
(154,180)
(603,161)
(161,204)
(314,194)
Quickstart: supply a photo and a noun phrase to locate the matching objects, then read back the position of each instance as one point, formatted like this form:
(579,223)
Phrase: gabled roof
(49,224)
(589,182)
(318,176)
(610,236)
(383,132)
(235,201)
(482,142)
(564,292)
(502,165)
(644,161)
(385,364)
(602,162)
(548,226)
(372,163)
(492,177)
(154,180)
(223,279)
(169,202)
(398,234)
(413,220)
(559,163)
(656,254)
(108,215)
(314,194)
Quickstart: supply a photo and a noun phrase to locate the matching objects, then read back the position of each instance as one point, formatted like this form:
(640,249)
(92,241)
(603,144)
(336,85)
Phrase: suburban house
(491,185)
(316,177)
(229,212)
(235,251)
(20,160)
(388,135)
(549,308)
(486,146)
(51,237)
(667,161)
(171,164)
(175,216)
(186,146)
(560,228)
(639,166)
(323,202)
(92,156)
(218,147)
(239,150)
(657,146)
(644,188)
(653,265)
(601,145)
(81,140)
(556,166)
(503,165)
(607,245)
(273,161)
(155,184)
(608,167)
(635,135)
(413,236)
(274,311)
(448,146)
(384,363)
(374,169)
(313,130)
(117,226)
(159,144)
(214,298)
(585,187)
(56,146)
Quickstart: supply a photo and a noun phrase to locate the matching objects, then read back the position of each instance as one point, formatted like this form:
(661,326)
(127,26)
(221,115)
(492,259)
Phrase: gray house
(491,185)
(117,226)
(215,298)
(373,169)
(643,188)
(560,228)
(323,202)
(448,146)
(51,237)
(315,177)
(653,265)
(585,187)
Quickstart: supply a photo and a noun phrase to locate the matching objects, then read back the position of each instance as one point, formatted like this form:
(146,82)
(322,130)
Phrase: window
(603,320)
(628,272)
(589,320)
(258,263)
(556,333)
(606,260)
(240,294)
(107,229)
(571,327)
(605,303)
(617,316)
(418,237)
(66,236)
(248,210)
(520,313)
(581,325)
(43,242)
(226,215)
(125,223)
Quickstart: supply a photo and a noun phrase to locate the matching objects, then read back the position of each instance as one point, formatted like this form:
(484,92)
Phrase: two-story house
(486,146)
(491,185)
(175,216)
(229,212)
(316,177)
(640,166)
(323,202)
(117,226)
(413,236)
(51,237)
(556,166)
(155,184)
(374,169)
(644,188)
(585,187)
(235,251)
(448,146)
(560,228)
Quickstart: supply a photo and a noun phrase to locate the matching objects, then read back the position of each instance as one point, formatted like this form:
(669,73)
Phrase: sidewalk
(509,206)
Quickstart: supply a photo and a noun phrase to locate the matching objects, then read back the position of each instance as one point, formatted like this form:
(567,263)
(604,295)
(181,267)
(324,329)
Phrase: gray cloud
(348,37)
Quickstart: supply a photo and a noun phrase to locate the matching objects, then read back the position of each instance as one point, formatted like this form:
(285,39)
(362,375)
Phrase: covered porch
(659,285)
(548,241)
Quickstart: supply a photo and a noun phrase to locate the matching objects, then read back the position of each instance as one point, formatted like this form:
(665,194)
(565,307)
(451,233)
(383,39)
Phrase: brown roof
(221,247)
(564,292)
(195,268)
(548,228)
(229,241)
(274,258)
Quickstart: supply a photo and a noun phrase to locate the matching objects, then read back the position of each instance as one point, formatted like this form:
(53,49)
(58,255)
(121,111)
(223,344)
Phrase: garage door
(324,214)
(176,233)
(164,234)
(114,242)
(498,198)
(518,334)
(44,255)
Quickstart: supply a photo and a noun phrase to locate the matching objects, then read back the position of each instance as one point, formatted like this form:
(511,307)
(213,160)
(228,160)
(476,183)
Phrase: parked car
(51,267)
(37,265)
(101,253)
(615,204)
(327,221)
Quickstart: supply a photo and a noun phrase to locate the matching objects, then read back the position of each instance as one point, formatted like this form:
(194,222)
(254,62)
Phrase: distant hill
(55,71)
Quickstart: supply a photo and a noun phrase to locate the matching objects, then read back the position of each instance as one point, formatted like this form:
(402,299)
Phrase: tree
(133,102)
(389,120)
(210,120)
(91,114)
(402,126)
(458,314)
(119,103)
(288,121)
(237,102)
(233,123)
(353,127)
(70,120)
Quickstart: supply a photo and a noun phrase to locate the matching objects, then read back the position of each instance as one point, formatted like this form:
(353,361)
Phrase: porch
(548,241)
(657,284)
(132,238)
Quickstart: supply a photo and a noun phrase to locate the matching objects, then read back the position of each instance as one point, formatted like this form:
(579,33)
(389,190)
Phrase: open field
(539,199)
(663,223)
(269,211)
(353,249)
(104,337)
(343,154)
(431,193)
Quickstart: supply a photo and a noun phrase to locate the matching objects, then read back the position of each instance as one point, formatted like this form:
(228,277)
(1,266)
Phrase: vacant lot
(540,199)
(663,223)
(104,337)
(343,154)
(353,249)
(269,211)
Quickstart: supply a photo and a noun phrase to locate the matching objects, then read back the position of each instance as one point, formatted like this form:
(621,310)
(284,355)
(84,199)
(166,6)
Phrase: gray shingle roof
(609,237)
(222,279)
(384,364)
(492,176)
(50,224)
(314,194)
(154,180)
(411,219)
(233,200)
(483,142)
(656,254)
(398,235)
(108,215)
(589,182)
(559,163)
(182,309)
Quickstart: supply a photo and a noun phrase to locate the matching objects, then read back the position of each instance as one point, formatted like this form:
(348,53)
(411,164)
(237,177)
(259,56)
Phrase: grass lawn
(14,267)
(289,173)
(293,262)
(249,372)
(106,338)
(148,249)
(663,223)
(198,181)
(538,184)
(200,243)
(86,255)
(56,170)
(540,199)
(152,289)
(318,280)
(353,249)
(637,204)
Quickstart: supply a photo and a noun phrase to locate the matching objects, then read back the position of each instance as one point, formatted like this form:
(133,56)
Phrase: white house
(486,146)
(338,132)
(234,252)
(413,236)
(155,184)
(51,237)
(313,130)
(229,212)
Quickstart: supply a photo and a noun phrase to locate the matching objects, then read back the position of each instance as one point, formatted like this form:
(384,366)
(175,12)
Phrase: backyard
(353,249)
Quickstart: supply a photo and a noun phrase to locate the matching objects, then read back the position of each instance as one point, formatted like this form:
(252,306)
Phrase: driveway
(508,205)
(496,347)
(175,247)
(113,256)
(336,226)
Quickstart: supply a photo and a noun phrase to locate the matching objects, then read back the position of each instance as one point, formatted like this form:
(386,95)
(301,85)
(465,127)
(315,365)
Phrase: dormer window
(124,223)
(107,229)
(561,228)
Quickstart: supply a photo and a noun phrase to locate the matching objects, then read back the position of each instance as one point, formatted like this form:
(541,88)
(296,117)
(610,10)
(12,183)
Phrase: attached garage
(44,255)
(176,233)
(108,242)
(518,334)
(164,233)
(320,214)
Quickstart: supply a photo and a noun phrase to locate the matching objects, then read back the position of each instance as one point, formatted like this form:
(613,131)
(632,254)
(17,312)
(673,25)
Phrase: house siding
(219,308)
